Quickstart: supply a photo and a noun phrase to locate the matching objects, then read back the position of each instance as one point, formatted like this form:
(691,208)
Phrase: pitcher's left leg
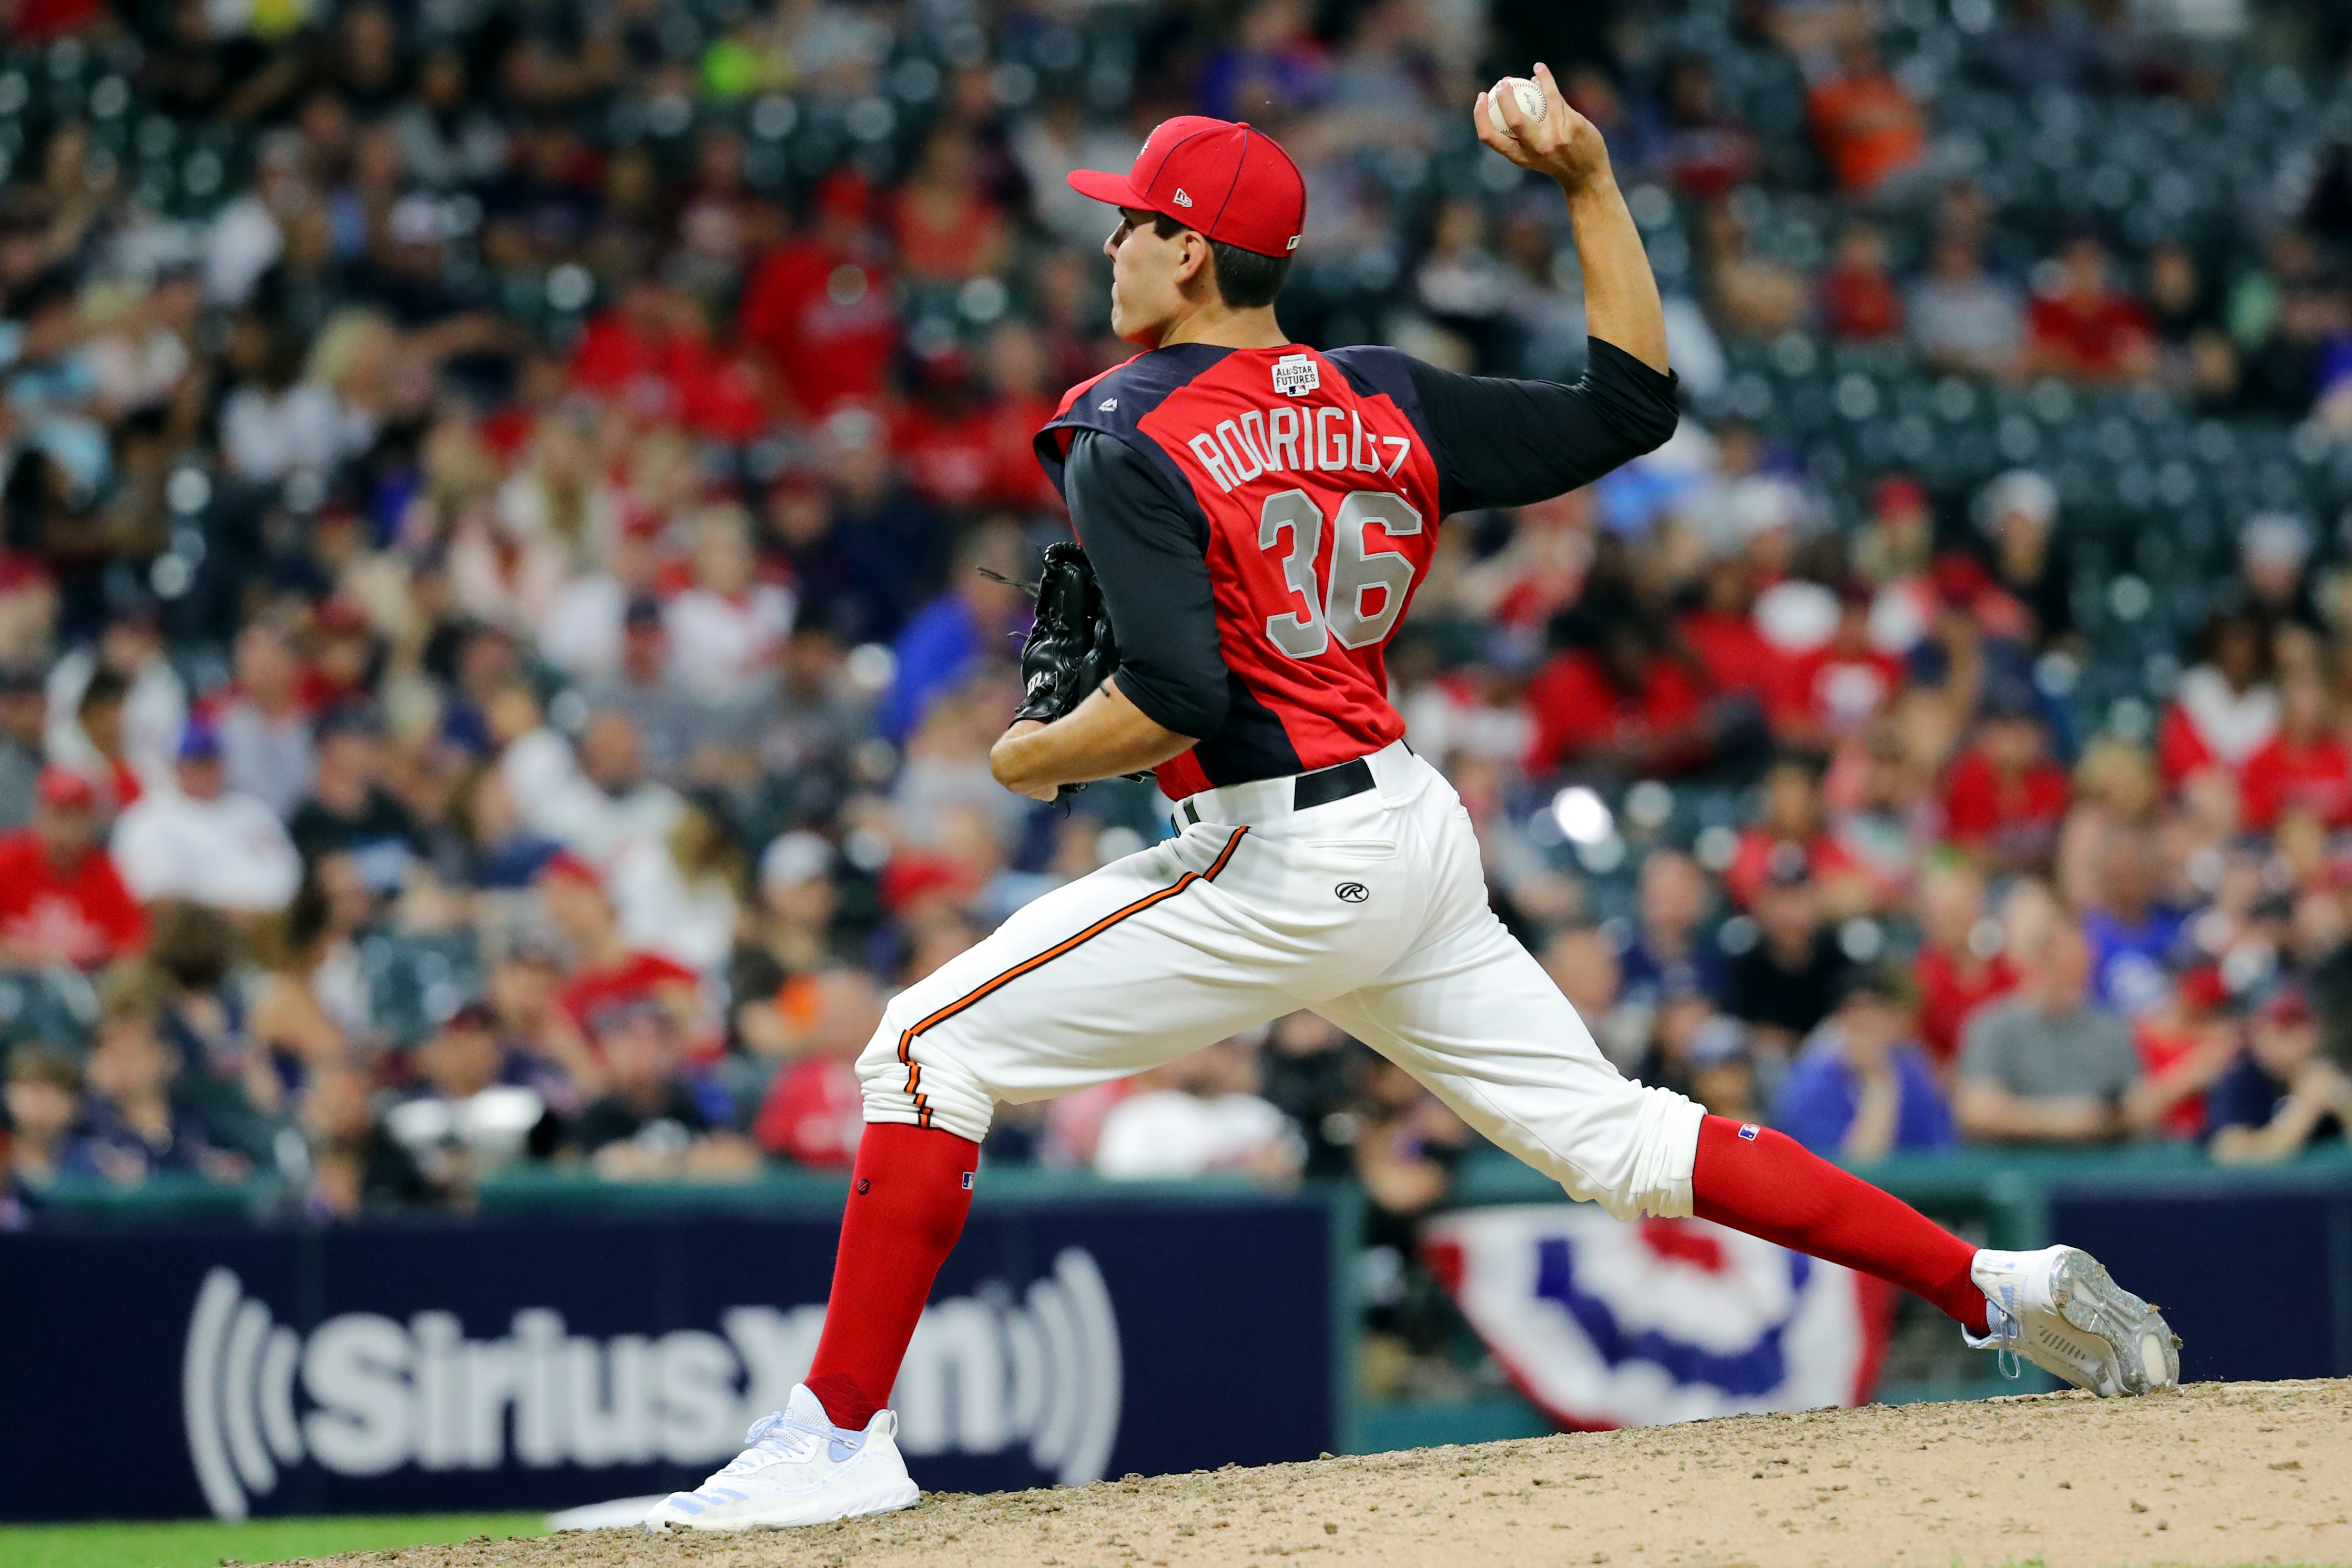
(1474,1016)
(2057,1306)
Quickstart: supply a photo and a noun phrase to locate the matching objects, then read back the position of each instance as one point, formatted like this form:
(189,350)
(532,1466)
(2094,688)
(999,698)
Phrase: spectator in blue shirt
(2131,935)
(134,1126)
(2282,1093)
(972,621)
(1861,1088)
(1665,952)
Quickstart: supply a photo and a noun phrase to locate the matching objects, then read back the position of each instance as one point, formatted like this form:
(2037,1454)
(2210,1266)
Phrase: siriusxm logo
(363,1395)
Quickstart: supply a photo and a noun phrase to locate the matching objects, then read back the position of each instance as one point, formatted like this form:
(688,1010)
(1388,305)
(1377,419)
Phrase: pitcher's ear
(1198,259)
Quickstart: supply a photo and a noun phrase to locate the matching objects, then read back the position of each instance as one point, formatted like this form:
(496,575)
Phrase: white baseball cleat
(798,1469)
(2058,1308)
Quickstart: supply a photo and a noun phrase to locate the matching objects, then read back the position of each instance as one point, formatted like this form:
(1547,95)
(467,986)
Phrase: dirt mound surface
(2221,1473)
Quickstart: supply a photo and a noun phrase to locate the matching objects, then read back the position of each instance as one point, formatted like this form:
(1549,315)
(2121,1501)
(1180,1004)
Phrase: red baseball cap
(917,874)
(65,789)
(2287,1006)
(564,866)
(341,618)
(1218,177)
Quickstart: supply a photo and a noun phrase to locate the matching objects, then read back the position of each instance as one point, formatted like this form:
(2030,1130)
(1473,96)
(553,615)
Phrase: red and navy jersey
(1319,495)
(1260,519)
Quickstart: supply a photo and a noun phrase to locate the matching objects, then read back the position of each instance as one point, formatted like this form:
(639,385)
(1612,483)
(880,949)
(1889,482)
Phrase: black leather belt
(1320,787)
(1325,786)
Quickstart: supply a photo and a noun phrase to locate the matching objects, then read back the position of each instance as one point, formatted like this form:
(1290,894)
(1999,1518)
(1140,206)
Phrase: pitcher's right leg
(1132,966)
(1141,963)
(908,1197)
(1046,1004)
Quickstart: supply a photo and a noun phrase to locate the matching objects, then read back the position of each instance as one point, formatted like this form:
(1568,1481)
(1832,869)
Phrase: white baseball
(1531,102)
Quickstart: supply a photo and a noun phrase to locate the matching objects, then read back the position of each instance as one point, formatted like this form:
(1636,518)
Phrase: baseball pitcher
(1254,517)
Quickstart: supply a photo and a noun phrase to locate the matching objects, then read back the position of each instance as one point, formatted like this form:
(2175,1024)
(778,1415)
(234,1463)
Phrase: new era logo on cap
(1219,177)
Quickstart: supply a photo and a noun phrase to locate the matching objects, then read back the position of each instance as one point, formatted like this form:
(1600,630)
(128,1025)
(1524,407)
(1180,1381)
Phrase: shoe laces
(2003,1330)
(774,1436)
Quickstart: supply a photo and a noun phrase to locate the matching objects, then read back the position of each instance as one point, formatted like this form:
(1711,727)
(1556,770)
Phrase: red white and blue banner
(1604,1323)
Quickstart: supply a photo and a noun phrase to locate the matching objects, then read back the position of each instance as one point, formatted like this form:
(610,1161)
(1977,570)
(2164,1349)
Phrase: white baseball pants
(1370,910)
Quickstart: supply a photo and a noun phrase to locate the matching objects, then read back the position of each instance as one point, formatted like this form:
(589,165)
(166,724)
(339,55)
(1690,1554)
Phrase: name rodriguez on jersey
(1292,438)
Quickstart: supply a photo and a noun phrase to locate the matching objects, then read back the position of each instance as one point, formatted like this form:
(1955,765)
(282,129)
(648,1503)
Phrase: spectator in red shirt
(1959,964)
(623,352)
(1015,361)
(606,972)
(103,711)
(2005,797)
(1720,631)
(61,899)
(815,1109)
(1623,707)
(2226,707)
(820,307)
(948,228)
(1707,150)
(2084,328)
(1793,817)
(943,439)
(2306,766)
(1858,299)
(653,354)
(2186,1043)
(1832,693)
(1867,127)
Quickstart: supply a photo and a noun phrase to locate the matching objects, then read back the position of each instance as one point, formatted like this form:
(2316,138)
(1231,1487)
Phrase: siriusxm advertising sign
(387,1368)
(985,1373)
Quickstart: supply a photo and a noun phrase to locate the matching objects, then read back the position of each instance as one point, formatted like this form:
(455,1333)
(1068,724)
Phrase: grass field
(203,1543)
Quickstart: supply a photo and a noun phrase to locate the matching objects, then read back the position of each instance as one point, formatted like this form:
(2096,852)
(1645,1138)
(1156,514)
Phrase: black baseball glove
(1071,650)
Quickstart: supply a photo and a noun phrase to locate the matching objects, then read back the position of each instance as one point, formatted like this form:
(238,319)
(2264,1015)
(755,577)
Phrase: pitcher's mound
(2220,1473)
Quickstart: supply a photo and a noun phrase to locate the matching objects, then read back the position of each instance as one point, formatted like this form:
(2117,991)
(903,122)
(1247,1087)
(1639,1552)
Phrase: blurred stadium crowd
(494,666)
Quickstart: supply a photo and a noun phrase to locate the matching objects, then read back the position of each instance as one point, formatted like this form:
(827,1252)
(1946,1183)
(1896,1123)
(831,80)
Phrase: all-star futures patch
(1295,376)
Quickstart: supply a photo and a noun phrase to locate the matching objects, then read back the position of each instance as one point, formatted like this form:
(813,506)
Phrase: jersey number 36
(1347,610)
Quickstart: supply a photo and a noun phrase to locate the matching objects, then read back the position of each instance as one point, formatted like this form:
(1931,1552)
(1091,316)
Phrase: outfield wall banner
(510,1364)
(1604,1324)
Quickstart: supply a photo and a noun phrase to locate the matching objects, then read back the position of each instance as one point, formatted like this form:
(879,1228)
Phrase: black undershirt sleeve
(1512,443)
(1151,559)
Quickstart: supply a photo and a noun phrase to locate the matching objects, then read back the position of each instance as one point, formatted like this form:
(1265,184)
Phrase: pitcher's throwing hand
(1562,145)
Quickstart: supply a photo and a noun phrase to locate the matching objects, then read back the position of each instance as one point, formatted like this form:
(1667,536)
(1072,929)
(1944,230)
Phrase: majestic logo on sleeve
(1295,376)
(365,1394)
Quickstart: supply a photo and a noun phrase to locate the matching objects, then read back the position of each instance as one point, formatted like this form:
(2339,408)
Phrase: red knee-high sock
(908,1200)
(1771,1185)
